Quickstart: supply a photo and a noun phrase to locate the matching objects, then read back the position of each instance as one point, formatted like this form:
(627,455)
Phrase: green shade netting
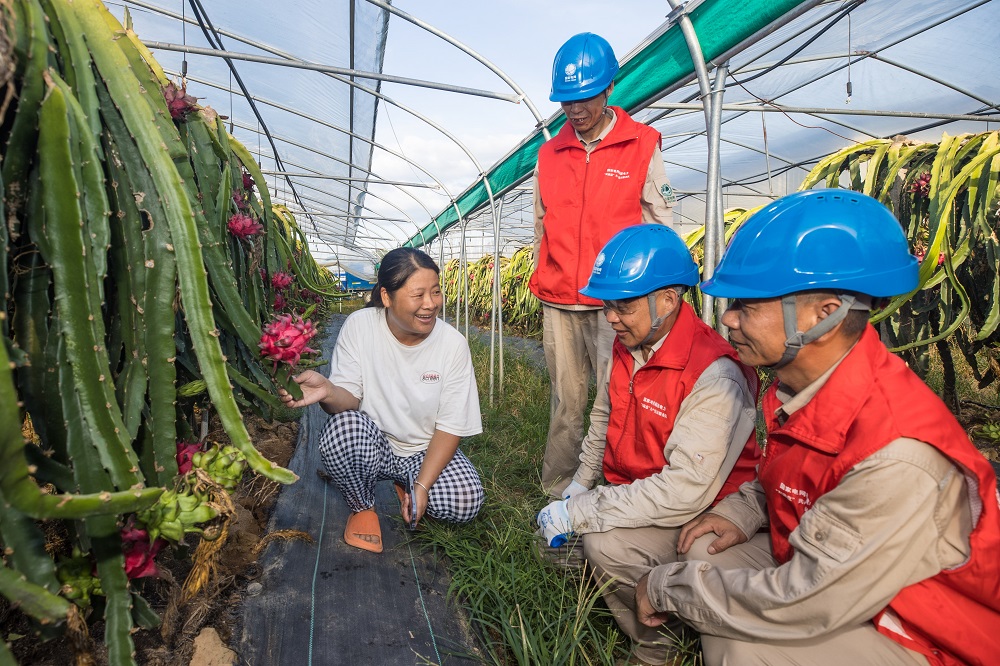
(720,25)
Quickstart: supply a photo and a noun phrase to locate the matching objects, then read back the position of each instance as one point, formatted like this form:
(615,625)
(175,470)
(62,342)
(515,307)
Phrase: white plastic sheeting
(899,55)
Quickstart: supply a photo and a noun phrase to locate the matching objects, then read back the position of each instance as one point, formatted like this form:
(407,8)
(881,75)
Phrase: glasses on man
(621,307)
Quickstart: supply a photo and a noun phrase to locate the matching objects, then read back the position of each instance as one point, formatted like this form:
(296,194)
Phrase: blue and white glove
(573,489)
(554,523)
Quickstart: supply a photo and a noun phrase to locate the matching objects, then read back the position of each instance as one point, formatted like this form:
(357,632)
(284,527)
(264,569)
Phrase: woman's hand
(315,388)
(417,501)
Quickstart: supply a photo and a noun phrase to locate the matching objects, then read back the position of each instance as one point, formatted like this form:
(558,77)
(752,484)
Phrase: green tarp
(720,25)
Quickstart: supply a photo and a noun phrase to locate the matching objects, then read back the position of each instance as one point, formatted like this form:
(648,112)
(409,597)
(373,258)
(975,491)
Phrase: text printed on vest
(794,495)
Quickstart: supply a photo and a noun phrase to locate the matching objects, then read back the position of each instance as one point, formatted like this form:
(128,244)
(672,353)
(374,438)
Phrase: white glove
(555,524)
(573,489)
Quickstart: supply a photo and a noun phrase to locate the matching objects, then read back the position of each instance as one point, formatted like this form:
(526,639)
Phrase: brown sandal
(361,525)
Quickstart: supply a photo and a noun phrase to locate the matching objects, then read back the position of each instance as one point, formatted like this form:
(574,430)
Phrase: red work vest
(644,406)
(588,199)
(869,401)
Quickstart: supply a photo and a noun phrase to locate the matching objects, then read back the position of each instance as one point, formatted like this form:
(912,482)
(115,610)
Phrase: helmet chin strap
(657,321)
(797,339)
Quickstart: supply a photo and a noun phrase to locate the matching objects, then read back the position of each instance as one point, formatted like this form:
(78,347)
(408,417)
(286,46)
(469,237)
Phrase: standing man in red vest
(871,533)
(601,173)
(680,434)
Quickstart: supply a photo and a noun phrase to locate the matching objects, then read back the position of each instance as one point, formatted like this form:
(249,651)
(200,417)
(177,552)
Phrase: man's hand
(573,489)
(726,530)
(555,524)
(644,610)
(315,387)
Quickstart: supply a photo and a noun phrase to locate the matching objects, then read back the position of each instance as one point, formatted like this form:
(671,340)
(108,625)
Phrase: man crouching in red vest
(884,523)
(680,434)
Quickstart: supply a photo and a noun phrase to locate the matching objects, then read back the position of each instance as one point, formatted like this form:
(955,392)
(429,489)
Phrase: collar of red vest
(676,349)
(823,422)
(625,129)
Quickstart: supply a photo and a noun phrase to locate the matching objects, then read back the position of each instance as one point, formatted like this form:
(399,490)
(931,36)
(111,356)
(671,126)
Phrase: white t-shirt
(407,391)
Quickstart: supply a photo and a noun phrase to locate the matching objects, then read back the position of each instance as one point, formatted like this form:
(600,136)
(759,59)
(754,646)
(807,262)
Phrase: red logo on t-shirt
(430,377)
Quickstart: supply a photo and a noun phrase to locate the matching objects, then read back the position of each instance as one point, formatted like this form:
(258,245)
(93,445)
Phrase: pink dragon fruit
(282,280)
(243,226)
(279,302)
(285,339)
(179,103)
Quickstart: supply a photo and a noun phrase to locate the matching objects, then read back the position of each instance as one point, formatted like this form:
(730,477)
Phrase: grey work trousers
(577,344)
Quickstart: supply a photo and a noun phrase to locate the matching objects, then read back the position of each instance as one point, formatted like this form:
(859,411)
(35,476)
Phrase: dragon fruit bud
(279,302)
(179,103)
(243,226)
(247,182)
(282,280)
(922,185)
(285,339)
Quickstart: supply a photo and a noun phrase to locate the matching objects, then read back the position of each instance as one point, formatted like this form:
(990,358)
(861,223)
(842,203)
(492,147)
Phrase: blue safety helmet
(584,67)
(834,240)
(637,261)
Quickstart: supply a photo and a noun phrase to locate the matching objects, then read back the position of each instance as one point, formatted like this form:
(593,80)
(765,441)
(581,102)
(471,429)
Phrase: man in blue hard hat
(680,435)
(601,173)
(871,533)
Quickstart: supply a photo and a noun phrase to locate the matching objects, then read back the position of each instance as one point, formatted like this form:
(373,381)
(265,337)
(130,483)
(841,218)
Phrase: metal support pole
(496,314)
(464,263)
(709,243)
(717,218)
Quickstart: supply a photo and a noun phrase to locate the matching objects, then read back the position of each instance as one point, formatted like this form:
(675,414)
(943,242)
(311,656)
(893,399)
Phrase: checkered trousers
(357,455)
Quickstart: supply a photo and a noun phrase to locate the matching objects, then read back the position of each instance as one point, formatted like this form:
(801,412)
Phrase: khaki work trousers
(577,345)
(627,554)
(851,645)
(619,558)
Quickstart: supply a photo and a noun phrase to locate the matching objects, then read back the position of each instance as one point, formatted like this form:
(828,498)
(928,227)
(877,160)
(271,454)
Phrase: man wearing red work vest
(883,520)
(601,173)
(680,434)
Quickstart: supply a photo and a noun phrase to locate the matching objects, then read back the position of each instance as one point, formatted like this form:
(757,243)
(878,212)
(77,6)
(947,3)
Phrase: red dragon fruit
(243,226)
(279,302)
(185,452)
(247,182)
(139,552)
(285,339)
(179,103)
(282,280)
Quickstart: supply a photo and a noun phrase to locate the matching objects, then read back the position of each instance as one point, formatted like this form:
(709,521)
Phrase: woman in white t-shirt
(401,395)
